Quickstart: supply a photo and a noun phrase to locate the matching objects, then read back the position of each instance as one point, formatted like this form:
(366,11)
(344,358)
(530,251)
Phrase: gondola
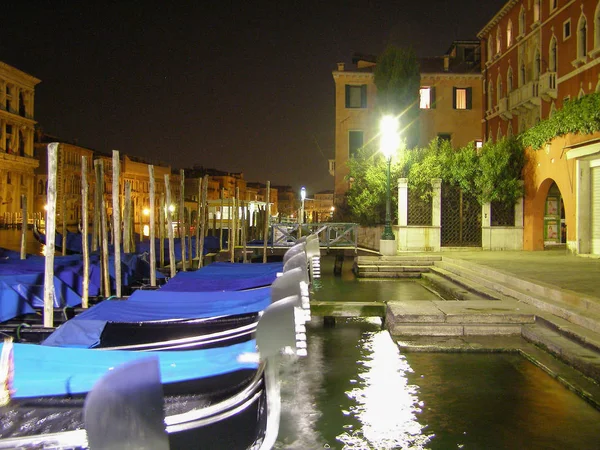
(70,398)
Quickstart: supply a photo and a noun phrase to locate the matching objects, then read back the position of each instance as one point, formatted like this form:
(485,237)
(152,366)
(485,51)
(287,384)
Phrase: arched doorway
(555,229)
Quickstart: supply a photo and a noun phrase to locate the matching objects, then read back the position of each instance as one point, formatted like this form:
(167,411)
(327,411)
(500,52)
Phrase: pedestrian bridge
(331,235)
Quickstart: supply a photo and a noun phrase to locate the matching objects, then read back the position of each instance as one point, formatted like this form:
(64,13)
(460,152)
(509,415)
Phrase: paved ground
(553,267)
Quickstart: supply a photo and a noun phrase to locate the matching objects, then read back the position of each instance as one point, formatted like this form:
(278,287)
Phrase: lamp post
(389,143)
(302,197)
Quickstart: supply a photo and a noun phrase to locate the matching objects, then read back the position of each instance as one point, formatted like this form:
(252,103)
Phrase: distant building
(538,55)
(17,163)
(289,204)
(323,206)
(450,104)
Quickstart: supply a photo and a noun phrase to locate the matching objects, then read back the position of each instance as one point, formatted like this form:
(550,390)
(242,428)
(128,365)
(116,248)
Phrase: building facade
(17,126)
(537,55)
(450,104)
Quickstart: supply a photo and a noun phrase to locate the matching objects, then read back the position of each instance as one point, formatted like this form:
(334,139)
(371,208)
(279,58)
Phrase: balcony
(547,88)
(524,98)
(503,109)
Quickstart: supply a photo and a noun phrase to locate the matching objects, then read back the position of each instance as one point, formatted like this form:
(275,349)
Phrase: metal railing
(331,235)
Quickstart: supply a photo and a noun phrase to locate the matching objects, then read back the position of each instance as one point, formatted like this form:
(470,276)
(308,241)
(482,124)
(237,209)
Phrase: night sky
(236,86)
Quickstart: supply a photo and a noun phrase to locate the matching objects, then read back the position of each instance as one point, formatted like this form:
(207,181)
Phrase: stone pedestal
(387,247)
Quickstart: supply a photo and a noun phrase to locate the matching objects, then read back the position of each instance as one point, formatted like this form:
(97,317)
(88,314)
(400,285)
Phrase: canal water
(356,391)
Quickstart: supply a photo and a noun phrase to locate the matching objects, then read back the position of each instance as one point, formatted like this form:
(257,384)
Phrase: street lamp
(303,197)
(390,140)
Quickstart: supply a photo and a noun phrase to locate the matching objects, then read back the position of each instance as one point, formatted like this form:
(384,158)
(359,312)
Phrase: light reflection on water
(383,383)
(350,393)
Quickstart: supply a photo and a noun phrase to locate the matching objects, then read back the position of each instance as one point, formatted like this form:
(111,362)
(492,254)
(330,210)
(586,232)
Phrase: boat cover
(225,276)
(84,330)
(49,371)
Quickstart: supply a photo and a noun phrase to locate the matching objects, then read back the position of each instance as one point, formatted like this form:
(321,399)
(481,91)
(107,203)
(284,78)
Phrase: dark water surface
(355,390)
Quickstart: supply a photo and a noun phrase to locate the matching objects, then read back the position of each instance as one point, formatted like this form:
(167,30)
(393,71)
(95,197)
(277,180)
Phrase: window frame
(567,24)
(352,152)
(432,100)
(468,97)
(363,96)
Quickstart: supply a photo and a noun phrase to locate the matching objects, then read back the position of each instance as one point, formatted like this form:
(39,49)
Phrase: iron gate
(461,218)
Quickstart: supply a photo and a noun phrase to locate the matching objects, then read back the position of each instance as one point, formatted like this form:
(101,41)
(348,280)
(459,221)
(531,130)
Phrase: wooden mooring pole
(172,262)
(116,213)
(50,237)
(85,281)
(152,231)
(23,226)
(266,224)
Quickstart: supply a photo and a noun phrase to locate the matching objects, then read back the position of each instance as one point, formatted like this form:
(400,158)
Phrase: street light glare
(303,193)
(390,138)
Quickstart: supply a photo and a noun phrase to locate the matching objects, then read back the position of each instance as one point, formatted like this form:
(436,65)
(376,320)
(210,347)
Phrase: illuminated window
(427,97)
(509,34)
(462,98)
(478,143)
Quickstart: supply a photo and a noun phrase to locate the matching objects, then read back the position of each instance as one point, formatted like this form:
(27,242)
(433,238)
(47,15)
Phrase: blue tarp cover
(49,371)
(84,330)
(224,276)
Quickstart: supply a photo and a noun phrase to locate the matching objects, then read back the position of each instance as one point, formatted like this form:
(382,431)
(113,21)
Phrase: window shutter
(363,96)
(432,96)
(454,97)
(469,98)
(347,96)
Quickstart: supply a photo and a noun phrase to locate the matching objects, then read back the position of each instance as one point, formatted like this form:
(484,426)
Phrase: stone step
(410,262)
(448,289)
(395,274)
(584,359)
(372,268)
(347,309)
(470,286)
(576,310)
(475,329)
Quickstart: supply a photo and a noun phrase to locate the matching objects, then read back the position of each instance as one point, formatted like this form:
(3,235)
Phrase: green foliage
(491,174)
(366,197)
(397,78)
(580,116)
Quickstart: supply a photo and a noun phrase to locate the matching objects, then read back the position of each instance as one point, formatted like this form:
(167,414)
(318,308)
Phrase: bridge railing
(331,235)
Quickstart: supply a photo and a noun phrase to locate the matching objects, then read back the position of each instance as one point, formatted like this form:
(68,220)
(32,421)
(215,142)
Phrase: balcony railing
(503,110)
(547,88)
(525,97)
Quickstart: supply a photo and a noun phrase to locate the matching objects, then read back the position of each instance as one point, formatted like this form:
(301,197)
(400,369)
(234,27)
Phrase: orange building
(450,104)
(537,55)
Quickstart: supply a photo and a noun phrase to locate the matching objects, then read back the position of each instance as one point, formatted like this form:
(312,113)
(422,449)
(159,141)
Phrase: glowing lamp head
(390,137)
(146,212)
(171,208)
(303,193)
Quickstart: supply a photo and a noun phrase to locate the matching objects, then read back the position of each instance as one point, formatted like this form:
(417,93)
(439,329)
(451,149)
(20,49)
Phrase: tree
(397,78)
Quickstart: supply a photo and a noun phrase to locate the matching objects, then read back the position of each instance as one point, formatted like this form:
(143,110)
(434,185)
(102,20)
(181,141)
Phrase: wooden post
(85,281)
(266,224)
(97,202)
(99,165)
(50,237)
(182,218)
(116,176)
(23,226)
(64,217)
(232,231)
(172,263)
(189,238)
(152,223)
(161,229)
(203,220)
(199,211)
(221,216)
(127,219)
(244,258)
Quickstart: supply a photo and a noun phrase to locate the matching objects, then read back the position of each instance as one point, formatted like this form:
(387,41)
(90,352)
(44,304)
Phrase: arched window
(522,75)
(509,131)
(499,92)
(536,10)
(522,21)
(537,65)
(499,40)
(490,95)
(597,27)
(509,80)
(581,93)
(582,37)
(499,136)
(553,55)
(489,48)
(509,35)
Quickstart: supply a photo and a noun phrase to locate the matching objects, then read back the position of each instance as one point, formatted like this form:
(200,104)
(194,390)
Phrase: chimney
(446,63)
(340,66)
